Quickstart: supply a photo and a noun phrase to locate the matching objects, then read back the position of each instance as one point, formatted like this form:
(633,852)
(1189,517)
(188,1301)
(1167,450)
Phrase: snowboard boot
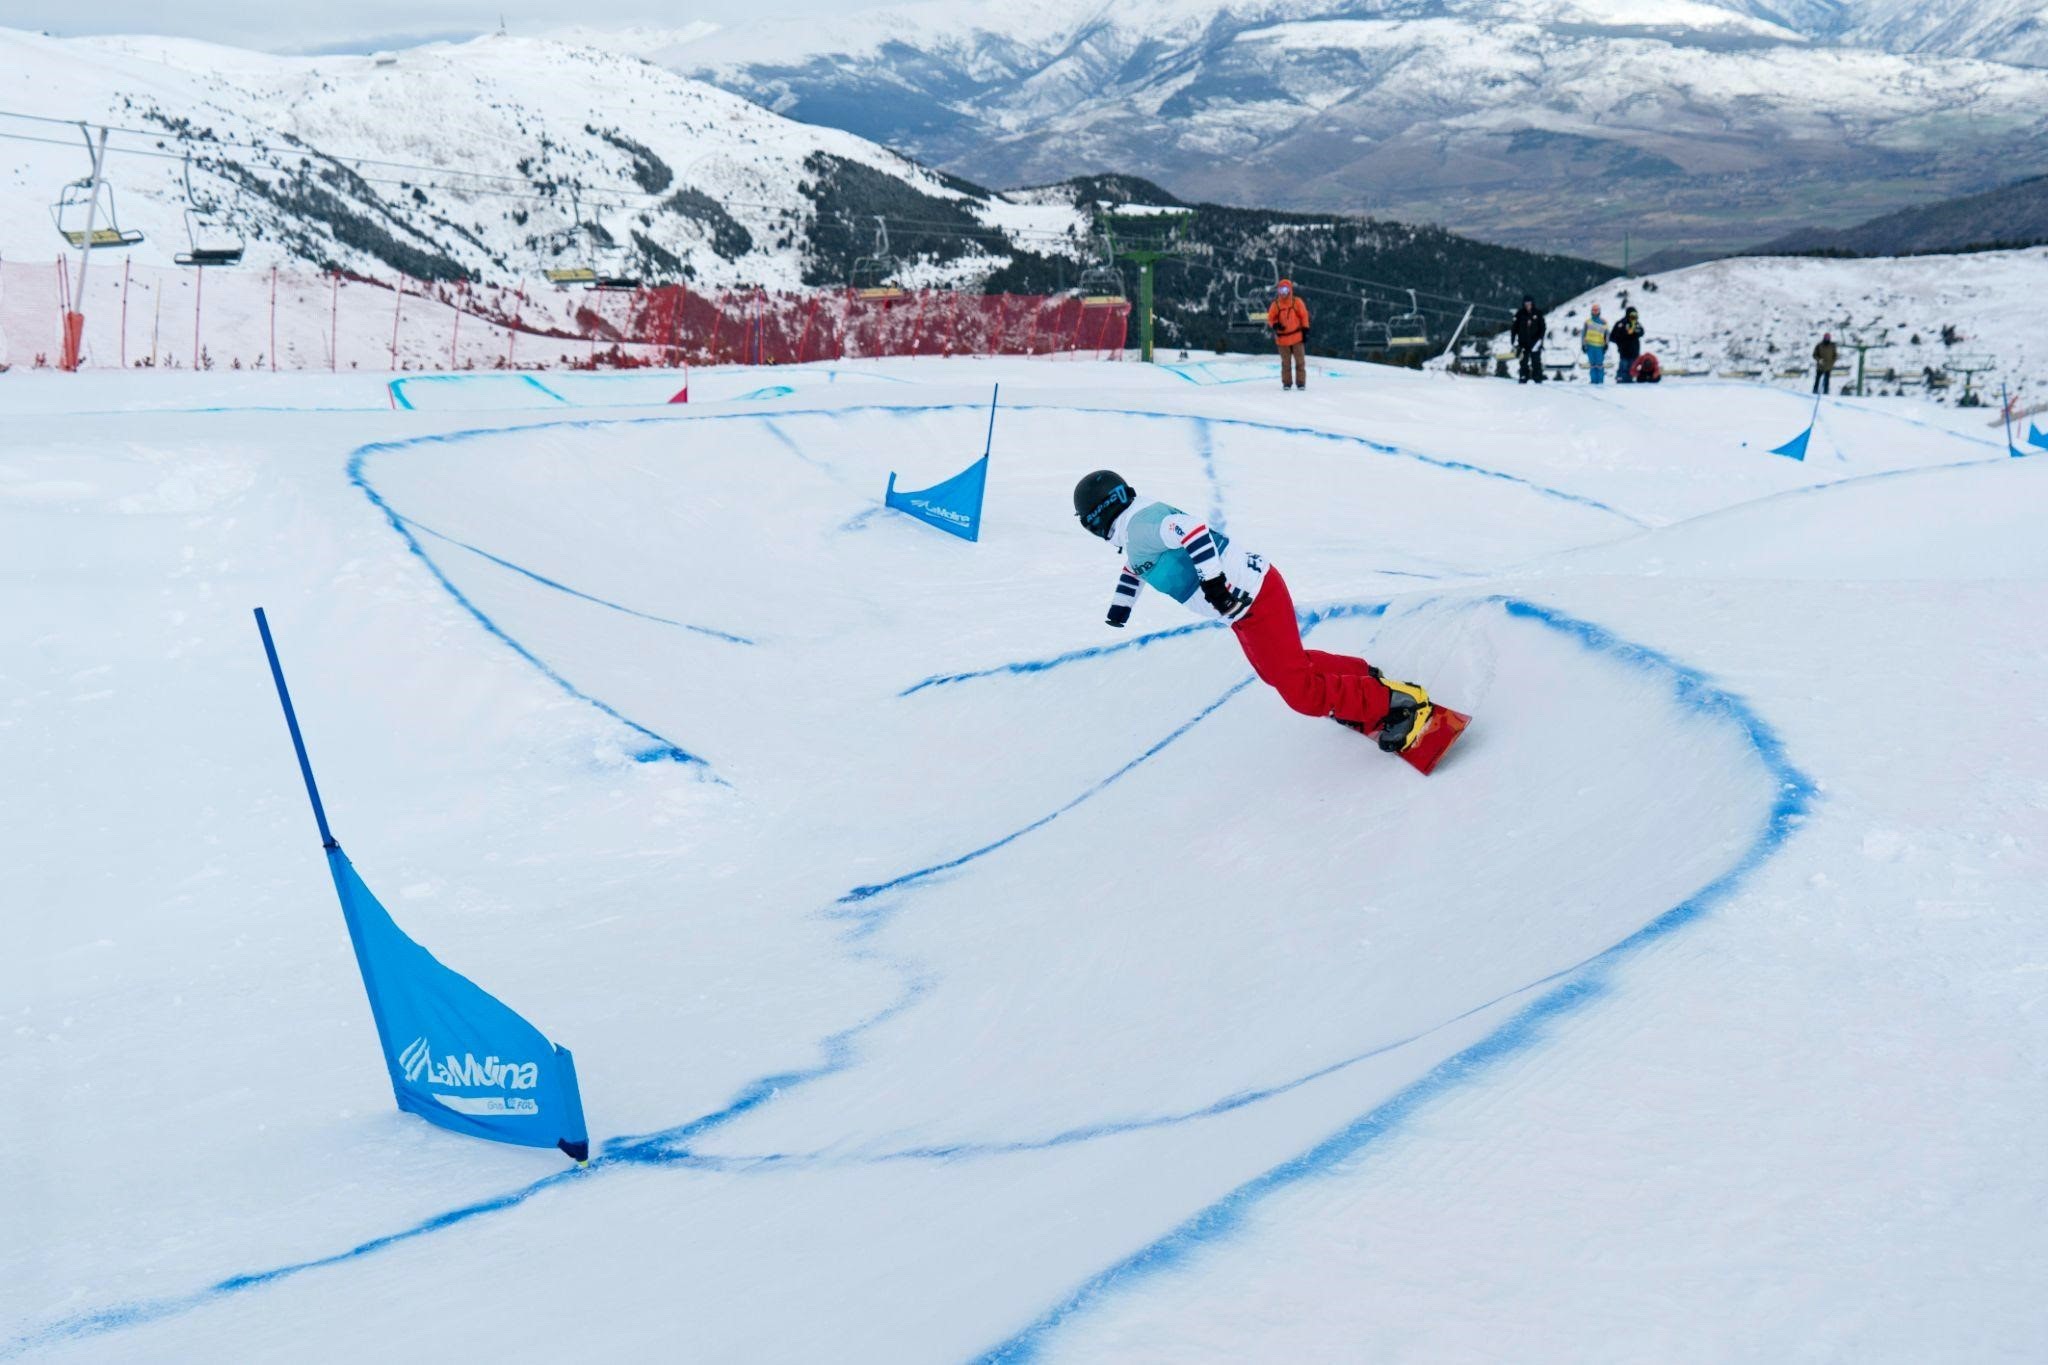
(1408,715)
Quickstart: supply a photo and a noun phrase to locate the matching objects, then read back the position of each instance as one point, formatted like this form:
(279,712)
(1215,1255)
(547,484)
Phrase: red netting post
(397,311)
(454,339)
(273,319)
(334,322)
(717,321)
(804,337)
(917,323)
(198,300)
(1002,325)
(127,270)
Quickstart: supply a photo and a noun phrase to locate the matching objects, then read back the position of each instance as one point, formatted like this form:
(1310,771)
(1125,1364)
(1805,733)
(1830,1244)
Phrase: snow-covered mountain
(494,158)
(1558,123)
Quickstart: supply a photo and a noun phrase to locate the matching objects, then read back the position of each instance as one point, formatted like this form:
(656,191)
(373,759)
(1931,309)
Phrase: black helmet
(1100,498)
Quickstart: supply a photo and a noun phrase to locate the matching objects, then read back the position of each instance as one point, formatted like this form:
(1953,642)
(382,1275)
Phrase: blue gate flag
(954,505)
(2036,436)
(1796,447)
(457,1055)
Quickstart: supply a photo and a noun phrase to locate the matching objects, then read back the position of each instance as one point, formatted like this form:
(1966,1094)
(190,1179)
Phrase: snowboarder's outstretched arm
(1126,597)
(1193,536)
(1227,601)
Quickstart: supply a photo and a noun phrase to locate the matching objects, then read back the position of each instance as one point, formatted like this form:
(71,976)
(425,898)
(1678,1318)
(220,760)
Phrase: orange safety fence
(269,318)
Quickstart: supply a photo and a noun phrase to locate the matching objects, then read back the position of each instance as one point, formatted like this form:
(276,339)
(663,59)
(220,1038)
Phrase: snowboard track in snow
(1563,990)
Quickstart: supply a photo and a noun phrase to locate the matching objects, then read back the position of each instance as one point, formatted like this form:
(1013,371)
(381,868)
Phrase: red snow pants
(1309,680)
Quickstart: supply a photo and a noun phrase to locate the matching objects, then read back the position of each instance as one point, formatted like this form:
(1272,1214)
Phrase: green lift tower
(1146,236)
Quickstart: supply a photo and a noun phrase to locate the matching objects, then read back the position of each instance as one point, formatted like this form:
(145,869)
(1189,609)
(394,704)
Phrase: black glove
(1227,600)
(1119,614)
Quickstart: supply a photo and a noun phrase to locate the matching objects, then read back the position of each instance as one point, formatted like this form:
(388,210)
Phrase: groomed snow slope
(950,976)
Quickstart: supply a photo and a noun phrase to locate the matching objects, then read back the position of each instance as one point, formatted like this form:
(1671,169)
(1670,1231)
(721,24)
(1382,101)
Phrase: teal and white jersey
(1176,553)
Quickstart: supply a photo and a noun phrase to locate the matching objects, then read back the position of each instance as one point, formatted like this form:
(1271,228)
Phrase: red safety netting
(275,319)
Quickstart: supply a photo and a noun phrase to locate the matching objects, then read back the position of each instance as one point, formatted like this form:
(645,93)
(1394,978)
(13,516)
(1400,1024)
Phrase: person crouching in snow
(1204,570)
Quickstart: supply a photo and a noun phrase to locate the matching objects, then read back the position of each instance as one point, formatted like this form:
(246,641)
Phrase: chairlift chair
(212,240)
(618,270)
(74,208)
(1247,314)
(1410,330)
(1102,282)
(874,275)
(1368,336)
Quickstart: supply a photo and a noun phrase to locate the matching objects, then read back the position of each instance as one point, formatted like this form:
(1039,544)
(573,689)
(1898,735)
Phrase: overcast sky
(300,25)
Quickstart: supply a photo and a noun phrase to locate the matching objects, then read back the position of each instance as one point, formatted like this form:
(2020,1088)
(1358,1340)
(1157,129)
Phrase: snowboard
(1445,725)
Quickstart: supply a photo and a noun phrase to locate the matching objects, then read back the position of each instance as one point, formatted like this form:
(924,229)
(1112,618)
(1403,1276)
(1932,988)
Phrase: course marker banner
(955,505)
(457,1055)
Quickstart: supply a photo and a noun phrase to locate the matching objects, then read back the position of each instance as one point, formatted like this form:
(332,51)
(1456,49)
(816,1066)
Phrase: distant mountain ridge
(1557,124)
(2014,215)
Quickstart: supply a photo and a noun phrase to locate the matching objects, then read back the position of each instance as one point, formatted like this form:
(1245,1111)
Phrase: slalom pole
(291,719)
(990,444)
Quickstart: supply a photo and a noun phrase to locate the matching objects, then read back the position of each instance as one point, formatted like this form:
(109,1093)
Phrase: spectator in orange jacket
(1288,317)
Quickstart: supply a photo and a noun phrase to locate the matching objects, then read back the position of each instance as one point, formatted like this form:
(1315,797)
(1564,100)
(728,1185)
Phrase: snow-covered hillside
(996,985)
(475,157)
(1759,317)
(1558,124)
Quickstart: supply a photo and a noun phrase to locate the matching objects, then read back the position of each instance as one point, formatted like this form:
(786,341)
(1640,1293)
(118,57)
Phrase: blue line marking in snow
(1694,691)
(1309,621)
(1583,981)
(662,748)
(913,409)
(1057,660)
(545,389)
(658,1148)
(574,592)
(861,893)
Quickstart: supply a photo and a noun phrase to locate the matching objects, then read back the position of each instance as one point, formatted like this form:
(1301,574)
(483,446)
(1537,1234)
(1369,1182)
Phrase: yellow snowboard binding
(1408,716)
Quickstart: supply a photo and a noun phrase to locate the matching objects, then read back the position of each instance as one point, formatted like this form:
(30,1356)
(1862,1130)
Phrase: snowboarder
(1628,342)
(1593,340)
(1823,362)
(1287,315)
(1216,578)
(1528,330)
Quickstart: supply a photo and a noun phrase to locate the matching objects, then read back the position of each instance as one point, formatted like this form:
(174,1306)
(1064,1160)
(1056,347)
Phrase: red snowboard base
(1445,725)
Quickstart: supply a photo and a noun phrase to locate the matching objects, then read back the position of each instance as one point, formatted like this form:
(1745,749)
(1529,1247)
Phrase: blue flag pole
(457,1056)
(990,443)
(291,719)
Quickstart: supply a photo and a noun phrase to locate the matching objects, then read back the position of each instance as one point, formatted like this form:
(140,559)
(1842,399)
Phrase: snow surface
(997,985)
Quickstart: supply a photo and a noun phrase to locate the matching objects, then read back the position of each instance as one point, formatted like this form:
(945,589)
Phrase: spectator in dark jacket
(1823,362)
(1627,337)
(1528,331)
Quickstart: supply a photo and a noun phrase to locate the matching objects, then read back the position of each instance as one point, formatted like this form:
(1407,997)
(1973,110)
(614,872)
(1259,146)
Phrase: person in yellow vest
(1288,317)
(1593,338)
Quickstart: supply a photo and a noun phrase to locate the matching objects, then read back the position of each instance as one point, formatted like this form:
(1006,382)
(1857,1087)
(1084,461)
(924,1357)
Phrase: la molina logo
(418,1064)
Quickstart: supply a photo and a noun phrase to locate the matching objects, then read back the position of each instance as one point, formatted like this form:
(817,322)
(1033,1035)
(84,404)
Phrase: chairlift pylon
(76,211)
(1410,329)
(874,275)
(210,240)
